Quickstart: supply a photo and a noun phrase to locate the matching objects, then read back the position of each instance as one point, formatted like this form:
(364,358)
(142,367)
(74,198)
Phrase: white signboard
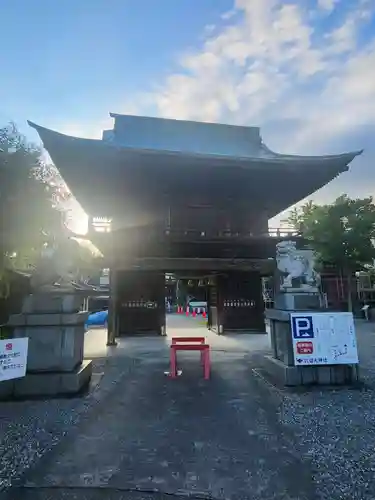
(323,338)
(13,358)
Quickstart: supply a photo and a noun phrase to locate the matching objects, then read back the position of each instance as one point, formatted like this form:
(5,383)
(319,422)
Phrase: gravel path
(29,429)
(336,430)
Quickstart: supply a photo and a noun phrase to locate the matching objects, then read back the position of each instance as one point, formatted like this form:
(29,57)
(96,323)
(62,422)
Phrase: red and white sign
(13,358)
(305,347)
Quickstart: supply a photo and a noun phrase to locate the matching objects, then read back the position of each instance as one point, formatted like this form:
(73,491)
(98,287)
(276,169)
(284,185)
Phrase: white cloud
(229,14)
(272,61)
(210,28)
(344,38)
(327,5)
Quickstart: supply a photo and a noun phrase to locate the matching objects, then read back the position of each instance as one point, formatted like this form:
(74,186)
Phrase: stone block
(351,374)
(338,375)
(277,314)
(37,384)
(281,336)
(293,376)
(73,382)
(298,301)
(6,389)
(53,348)
(54,384)
(46,303)
(16,320)
(51,319)
(309,375)
(274,367)
(283,342)
(287,375)
(324,375)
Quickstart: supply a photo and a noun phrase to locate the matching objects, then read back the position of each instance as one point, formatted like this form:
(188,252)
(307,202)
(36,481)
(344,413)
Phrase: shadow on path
(210,439)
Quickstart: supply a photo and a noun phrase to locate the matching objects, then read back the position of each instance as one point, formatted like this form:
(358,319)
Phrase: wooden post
(112,309)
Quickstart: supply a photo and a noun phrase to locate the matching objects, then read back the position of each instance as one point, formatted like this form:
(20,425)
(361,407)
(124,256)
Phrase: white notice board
(13,358)
(323,338)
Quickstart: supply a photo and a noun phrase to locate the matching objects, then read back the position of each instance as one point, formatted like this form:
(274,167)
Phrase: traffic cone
(204,314)
(194,313)
(187,311)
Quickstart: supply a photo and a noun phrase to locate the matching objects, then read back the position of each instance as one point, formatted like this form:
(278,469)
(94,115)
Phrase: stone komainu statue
(297,265)
(54,266)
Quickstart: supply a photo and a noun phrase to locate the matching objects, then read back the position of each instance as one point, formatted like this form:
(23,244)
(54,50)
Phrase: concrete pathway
(178,325)
(153,437)
(139,435)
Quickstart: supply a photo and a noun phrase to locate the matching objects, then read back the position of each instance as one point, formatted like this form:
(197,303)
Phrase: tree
(341,233)
(27,199)
(33,202)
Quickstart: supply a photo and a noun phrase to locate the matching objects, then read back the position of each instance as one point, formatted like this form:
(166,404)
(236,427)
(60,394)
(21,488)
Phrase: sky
(302,70)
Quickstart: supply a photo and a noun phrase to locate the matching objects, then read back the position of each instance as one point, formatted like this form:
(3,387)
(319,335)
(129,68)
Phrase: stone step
(52,303)
(54,384)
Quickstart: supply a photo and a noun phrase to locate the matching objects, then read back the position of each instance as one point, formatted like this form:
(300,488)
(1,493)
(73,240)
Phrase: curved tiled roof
(116,170)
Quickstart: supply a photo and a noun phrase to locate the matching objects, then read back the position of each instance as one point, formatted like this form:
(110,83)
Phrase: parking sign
(323,338)
(303,327)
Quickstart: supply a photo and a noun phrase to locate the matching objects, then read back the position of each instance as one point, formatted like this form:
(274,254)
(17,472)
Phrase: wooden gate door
(141,302)
(241,302)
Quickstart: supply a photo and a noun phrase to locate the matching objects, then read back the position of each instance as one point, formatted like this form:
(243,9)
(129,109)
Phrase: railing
(282,232)
(210,233)
(272,232)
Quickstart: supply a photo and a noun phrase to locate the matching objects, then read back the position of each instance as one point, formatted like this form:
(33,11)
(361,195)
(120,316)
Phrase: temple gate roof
(144,159)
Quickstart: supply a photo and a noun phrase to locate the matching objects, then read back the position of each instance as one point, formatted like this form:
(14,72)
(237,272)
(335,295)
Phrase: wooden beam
(265,266)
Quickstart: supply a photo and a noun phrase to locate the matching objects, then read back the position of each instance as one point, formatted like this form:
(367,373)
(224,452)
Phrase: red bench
(190,344)
(190,340)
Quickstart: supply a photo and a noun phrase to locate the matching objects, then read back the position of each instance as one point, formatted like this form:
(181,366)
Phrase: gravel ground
(336,429)
(333,430)
(29,429)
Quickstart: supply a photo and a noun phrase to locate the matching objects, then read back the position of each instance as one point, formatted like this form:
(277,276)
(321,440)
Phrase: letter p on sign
(302,327)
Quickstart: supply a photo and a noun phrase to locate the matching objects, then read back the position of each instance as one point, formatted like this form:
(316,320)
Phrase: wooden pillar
(112,309)
(213,320)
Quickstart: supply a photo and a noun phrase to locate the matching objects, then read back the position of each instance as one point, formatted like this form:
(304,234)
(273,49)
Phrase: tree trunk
(349,285)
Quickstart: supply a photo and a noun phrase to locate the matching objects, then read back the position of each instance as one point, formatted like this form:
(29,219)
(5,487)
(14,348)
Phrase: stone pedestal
(298,301)
(297,285)
(55,326)
(281,364)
